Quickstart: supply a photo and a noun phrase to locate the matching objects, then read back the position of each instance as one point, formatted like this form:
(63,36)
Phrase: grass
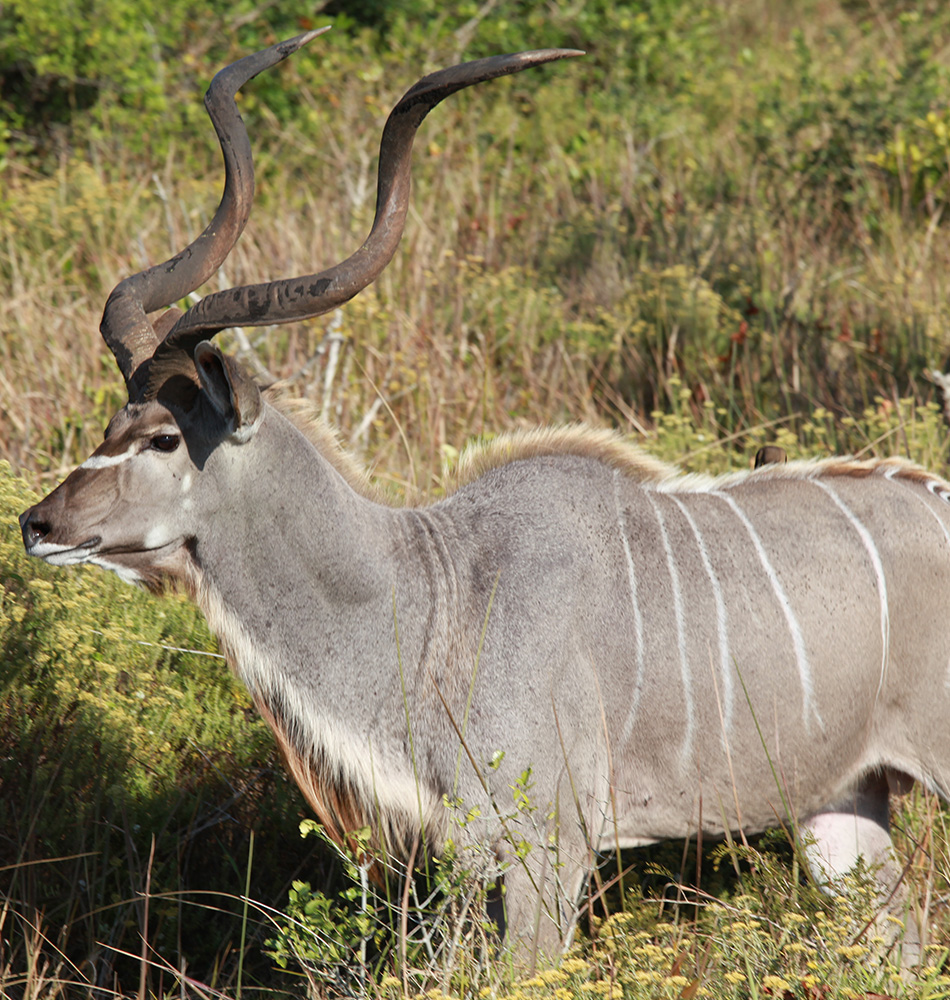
(724,227)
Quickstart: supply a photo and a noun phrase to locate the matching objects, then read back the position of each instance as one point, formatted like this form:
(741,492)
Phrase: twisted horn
(125,326)
(290,299)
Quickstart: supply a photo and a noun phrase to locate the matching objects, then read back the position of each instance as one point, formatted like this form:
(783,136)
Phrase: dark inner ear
(233,393)
(214,379)
(212,368)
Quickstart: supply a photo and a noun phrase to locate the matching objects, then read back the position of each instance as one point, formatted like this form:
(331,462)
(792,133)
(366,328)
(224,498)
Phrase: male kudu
(650,645)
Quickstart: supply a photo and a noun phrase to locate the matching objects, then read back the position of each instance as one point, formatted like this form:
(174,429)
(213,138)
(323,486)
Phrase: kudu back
(652,648)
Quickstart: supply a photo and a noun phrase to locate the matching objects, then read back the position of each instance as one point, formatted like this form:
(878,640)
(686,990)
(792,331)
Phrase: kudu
(660,654)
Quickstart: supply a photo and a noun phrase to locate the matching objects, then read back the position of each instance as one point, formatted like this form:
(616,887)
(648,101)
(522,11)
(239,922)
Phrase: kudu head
(129,507)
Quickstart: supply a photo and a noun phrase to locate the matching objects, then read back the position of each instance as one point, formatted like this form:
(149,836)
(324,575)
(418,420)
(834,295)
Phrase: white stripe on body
(798,640)
(637,614)
(678,611)
(722,622)
(934,488)
(872,551)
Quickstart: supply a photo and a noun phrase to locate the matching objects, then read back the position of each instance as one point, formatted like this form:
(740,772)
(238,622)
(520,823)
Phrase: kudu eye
(165,442)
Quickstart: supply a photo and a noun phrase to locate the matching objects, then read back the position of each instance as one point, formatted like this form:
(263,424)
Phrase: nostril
(34,531)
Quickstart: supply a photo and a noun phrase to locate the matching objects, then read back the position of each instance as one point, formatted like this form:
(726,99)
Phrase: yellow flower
(775,983)
(734,978)
(571,966)
(852,951)
(535,982)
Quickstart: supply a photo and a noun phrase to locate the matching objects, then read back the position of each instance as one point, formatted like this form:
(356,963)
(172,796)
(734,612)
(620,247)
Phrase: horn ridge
(125,326)
(289,299)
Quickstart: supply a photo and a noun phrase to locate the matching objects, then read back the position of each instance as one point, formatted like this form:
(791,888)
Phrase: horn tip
(308,36)
(538,56)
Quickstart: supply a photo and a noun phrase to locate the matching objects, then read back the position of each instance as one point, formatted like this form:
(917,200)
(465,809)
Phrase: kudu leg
(859,827)
(540,898)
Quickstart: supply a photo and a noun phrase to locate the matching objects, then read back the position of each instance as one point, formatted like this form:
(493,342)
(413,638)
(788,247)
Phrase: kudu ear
(232,393)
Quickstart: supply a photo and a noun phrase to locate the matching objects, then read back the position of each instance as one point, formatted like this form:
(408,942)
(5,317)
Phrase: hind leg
(859,827)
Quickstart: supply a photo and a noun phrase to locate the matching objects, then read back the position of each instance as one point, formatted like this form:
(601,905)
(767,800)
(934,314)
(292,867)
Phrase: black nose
(33,530)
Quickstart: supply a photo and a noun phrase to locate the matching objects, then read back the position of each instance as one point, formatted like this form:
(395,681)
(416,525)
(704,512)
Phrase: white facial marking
(798,640)
(156,537)
(871,548)
(66,555)
(125,573)
(637,616)
(680,615)
(186,482)
(107,461)
(59,555)
(722,624)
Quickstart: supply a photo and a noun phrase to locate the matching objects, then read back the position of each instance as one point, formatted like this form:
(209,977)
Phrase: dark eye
(165,442)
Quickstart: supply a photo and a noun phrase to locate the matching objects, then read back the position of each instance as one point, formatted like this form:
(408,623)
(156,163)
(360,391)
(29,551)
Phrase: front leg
(540,895)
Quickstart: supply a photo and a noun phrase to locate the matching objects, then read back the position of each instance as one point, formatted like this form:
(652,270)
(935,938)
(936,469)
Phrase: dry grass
(566,269)
(584,244)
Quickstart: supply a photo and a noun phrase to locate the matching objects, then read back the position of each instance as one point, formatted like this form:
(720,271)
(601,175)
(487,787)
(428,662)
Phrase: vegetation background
(722,227)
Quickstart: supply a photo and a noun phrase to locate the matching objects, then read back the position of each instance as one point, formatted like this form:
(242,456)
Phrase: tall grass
(742,219)
(724,227)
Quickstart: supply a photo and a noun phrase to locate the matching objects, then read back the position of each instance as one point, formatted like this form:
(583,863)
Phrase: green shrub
(105,71)
(120,726)
(723,228)
(838,106)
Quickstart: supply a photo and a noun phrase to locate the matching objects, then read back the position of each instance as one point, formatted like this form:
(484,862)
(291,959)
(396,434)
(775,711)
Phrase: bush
(126,759)
(95,71)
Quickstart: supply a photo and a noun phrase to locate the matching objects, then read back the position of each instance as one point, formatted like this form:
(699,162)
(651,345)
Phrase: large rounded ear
(232,393)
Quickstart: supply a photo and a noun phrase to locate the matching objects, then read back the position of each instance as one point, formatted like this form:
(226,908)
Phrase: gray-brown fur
(622,631)
(599,694)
